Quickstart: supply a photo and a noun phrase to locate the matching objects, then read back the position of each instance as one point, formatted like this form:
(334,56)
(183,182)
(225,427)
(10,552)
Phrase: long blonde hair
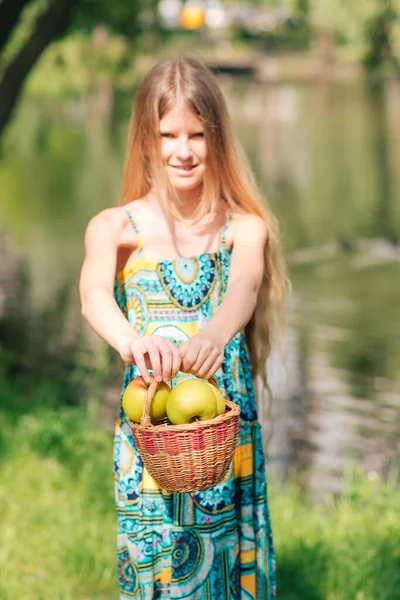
(228,177)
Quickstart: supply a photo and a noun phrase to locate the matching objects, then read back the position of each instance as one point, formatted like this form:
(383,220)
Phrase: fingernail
(158,378)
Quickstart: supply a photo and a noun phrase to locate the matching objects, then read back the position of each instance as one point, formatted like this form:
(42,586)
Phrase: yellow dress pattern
(206,545)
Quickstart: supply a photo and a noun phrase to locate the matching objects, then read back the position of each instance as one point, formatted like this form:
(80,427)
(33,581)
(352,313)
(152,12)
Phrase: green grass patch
(344,549)
(57,516)
(58,525)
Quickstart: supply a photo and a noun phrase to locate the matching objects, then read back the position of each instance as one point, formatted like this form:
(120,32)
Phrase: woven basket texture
(189,457)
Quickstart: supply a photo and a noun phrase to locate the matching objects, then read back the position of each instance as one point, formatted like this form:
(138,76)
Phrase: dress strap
(135,227)
(225,229)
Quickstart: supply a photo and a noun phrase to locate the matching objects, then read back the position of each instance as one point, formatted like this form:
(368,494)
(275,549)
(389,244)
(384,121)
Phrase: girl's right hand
(151,352)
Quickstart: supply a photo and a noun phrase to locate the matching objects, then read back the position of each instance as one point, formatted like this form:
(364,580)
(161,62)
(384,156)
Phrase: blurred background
(313,89)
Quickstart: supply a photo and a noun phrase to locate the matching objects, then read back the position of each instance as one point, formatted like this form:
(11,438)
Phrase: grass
(58,527)
(56,510)
(344,549)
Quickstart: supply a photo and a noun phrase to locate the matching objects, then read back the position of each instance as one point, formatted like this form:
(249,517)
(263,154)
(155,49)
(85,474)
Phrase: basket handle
(145,421)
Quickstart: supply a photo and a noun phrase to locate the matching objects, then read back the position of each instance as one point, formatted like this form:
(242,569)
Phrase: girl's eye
(170,135)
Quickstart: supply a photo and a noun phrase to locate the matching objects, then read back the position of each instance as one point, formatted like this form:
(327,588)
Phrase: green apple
(191,400)
(135,394)
(220,399)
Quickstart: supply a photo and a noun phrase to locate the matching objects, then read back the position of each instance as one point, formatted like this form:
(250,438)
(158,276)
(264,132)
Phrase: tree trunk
(50,24)
(9,14)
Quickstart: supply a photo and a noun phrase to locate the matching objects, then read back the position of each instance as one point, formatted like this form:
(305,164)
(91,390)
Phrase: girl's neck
(186,208)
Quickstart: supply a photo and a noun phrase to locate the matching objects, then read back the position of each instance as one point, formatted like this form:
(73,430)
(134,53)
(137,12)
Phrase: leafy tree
(379,32)
(44,21)
(371,28)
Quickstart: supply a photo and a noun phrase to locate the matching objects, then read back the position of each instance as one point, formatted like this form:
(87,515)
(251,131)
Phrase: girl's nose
(183,150)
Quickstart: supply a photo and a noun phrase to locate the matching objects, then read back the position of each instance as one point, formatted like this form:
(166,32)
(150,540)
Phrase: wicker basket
(189,457)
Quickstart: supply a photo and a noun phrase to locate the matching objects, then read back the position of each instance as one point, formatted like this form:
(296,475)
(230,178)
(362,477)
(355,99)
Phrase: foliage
(44,21)
(56,505)
(368,30)
(292,34)
(119,16)
(41,350)
(21,33)
(56,497)
(345,548)
(77,64)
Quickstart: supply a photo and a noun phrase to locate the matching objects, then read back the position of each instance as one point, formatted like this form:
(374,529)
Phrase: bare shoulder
(109,220)
(247,228)
(107,225)
(248,221)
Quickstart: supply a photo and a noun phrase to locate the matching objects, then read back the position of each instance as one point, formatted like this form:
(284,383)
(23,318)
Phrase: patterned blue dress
(206,545)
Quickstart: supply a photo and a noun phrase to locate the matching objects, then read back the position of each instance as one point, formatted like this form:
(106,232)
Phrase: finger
(138,356)
(202,357)
(183,348)
(177,363)
(166,359)
(208,370)
(190,357)
(176,359)
(124,349)
(154,354)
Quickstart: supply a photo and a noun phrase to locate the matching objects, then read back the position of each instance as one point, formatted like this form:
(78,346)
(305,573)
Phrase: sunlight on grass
(344,549)
(57,518)
(58,526)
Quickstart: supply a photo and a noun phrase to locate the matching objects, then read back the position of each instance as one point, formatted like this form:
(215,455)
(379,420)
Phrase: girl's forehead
(180,116)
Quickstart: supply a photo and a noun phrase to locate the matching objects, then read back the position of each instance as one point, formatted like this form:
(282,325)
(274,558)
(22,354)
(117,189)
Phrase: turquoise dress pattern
(206,545)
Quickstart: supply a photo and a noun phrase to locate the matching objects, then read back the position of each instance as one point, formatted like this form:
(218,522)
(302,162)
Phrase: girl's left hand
(202,355)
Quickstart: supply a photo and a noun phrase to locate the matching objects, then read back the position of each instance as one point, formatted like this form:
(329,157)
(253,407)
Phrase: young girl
(182,278)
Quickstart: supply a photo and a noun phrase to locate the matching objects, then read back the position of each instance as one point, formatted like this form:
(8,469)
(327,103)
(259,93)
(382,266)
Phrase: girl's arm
(102,312)
(204,353)
(96,284)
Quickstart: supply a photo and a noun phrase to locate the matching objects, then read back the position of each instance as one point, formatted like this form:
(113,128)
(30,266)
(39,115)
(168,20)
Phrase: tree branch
(9,14)
(50,24)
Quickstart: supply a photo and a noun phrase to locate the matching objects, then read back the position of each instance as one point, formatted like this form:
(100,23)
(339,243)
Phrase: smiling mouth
(184,167)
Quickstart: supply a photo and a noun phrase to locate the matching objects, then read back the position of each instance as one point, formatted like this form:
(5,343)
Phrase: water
(326,158)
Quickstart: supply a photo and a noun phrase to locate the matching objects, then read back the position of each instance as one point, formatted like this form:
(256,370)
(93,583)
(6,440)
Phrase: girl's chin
(183,178)
(186,185)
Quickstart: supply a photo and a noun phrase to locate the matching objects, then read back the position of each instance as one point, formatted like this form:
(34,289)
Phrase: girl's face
(183,148)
